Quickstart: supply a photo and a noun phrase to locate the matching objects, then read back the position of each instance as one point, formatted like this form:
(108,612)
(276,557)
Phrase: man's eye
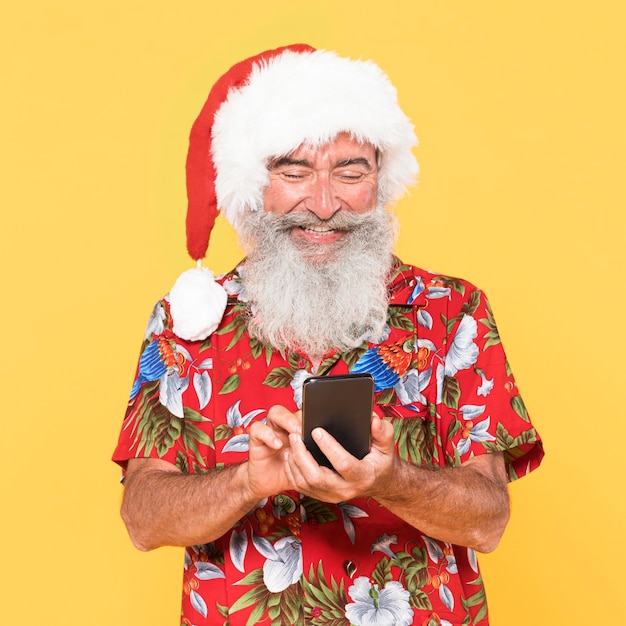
(293,175)
(350,177)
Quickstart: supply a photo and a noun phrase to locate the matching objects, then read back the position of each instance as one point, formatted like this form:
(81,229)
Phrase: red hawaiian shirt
(443,381)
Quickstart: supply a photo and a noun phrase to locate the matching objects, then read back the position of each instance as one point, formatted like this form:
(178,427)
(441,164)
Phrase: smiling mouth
(319,229)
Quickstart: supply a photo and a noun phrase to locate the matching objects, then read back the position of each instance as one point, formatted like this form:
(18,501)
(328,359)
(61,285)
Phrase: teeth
(318,229)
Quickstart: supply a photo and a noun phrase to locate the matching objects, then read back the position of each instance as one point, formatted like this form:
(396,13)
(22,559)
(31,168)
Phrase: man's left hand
(352,477)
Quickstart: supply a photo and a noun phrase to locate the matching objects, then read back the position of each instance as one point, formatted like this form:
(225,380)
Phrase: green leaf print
(414,565)
(453,429)
(230,384)
(492,335)
(327,364)
(382,573)
(232,325)
(324,604)
(317,510)
(509,371)
(352,356)
(386,396)
(399,318)
(524,439)
(469,307)
(279,377)
(519,407)
(205,345)
(255,577)
(451,392)
(256,347)
(193,437)
(414,439)
(222,609)
(259,609)
(236,336)
(222,431)
(293,604)
(181,462)
(477,599)
(155,427)
(503,439)
(166,430)
(257,595)
(282,607)
(193,416)
(294,360)
(451,322)
(419,600)
(511,446)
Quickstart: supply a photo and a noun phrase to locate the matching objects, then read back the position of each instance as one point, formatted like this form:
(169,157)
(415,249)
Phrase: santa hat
(267,106)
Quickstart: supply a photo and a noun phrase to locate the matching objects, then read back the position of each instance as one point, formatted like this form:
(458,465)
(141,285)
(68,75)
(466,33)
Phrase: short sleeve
(479,407)
(163,418)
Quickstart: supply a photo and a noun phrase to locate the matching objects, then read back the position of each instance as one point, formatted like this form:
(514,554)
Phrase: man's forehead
(343,148)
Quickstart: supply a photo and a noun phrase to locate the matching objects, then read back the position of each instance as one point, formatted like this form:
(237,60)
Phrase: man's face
(320,182)
(318,257)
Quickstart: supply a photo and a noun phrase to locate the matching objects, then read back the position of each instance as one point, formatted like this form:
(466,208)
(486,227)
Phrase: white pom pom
(197,304)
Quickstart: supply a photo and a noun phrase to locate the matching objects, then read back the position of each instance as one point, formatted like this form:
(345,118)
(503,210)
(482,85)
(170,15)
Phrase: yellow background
(520,112)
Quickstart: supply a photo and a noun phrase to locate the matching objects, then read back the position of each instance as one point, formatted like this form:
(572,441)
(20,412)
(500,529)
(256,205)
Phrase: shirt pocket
(414,432)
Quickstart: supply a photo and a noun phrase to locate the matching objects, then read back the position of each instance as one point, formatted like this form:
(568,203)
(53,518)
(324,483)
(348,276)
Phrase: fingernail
(317,434)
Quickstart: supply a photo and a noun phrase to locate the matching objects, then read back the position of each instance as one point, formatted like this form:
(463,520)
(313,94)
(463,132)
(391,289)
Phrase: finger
(305,466)
(288,469)
(344,463)
(262,434)
(310,478)
(382,434)
(281,418)
(293,472)
(300,456)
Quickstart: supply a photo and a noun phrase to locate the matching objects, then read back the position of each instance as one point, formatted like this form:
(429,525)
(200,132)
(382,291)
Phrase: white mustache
(341,220)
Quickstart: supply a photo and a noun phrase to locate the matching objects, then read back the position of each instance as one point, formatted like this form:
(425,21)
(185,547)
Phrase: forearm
(170,508)
(458,505)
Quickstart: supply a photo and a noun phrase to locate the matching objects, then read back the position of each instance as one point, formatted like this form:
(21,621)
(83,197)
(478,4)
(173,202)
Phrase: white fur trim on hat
(307,97)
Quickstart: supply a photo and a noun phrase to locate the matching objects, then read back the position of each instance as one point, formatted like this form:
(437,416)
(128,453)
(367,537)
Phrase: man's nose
(323,200)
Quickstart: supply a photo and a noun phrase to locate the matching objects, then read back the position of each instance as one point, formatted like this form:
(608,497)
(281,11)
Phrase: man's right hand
(266,465)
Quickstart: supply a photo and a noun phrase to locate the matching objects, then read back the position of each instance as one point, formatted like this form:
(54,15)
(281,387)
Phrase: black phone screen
(342,405)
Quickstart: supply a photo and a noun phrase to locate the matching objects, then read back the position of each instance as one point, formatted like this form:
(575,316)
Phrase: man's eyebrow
(355,161)
(287,161)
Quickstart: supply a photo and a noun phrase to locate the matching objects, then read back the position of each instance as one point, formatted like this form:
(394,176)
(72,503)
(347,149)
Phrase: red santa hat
(267,106)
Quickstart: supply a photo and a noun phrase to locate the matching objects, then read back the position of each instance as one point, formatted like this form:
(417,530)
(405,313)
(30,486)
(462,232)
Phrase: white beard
(302,301)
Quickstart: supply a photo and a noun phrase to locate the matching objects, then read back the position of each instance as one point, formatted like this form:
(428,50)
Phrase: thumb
(382,432)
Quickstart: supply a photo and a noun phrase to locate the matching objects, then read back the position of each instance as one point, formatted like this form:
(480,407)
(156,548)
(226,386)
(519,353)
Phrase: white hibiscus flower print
(372,606)
(283,566)
(463,352)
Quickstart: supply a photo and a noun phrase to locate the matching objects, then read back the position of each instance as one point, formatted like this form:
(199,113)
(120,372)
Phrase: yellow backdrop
(520,111)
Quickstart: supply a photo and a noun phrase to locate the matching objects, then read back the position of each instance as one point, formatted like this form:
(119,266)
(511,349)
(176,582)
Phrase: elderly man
(304,151)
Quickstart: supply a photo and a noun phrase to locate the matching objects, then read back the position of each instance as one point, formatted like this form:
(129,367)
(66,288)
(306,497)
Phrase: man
(303,151)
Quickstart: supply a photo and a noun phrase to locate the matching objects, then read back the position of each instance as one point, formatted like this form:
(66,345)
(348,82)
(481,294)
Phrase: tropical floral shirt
(441,378)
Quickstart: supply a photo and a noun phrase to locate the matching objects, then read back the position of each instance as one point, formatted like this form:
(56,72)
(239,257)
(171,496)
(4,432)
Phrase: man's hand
(266,467)
(353,478)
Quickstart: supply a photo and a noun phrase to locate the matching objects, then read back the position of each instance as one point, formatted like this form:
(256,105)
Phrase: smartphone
(342,405)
